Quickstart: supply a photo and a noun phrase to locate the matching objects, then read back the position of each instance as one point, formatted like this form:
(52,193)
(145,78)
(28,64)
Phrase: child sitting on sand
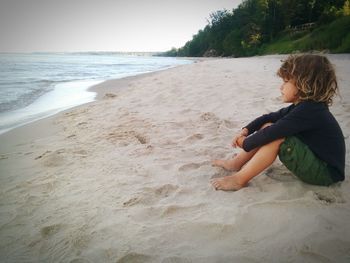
(305,135)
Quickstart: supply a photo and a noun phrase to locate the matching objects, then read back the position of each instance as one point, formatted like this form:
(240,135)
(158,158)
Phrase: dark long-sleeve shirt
(312,123)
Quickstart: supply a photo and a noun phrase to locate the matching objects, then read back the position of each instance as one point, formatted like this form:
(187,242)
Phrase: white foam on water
(64,96)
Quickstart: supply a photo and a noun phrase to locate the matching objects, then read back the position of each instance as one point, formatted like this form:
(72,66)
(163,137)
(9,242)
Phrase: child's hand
(244,132)
(240,141)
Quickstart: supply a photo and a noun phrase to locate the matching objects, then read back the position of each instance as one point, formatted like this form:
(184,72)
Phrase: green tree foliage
(255,24)
(346,8)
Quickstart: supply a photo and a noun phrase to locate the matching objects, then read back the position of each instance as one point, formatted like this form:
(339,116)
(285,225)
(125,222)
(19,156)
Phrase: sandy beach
(127,178)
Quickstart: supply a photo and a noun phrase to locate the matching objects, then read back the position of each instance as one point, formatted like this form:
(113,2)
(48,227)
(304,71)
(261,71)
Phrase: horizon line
(100,51)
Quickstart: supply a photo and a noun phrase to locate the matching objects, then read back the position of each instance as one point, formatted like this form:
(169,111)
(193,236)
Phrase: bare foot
(228,183)
(229,165)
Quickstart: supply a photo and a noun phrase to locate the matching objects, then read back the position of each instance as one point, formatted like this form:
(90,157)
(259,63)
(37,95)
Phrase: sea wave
(21,100)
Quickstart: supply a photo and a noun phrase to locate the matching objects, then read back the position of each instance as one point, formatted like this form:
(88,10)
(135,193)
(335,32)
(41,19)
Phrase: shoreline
(113,179)
(73,90)
(45,126)
(100,89)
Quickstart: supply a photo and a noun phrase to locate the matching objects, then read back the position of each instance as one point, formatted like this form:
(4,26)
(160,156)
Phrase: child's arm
(272,117)
(301,118)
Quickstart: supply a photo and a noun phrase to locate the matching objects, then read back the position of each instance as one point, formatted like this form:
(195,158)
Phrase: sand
(127,178)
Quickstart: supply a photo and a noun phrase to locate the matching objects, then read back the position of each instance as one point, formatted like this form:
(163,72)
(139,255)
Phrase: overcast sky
(102,25)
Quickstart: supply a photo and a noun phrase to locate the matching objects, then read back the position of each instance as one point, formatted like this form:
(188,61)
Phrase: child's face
(289,91)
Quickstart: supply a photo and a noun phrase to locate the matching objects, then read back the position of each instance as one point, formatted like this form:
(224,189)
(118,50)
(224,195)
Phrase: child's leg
(240,159)
(262,159)
(237,162)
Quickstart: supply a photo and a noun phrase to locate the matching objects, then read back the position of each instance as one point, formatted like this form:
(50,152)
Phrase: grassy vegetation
(334,37)
(283,45)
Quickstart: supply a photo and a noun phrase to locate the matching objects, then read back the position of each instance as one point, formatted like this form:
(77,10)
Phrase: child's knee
(279,141)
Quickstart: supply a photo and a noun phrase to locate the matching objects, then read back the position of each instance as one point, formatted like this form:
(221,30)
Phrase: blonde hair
(313,75)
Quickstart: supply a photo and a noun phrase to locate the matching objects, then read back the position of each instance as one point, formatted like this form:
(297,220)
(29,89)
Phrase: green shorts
(303,163)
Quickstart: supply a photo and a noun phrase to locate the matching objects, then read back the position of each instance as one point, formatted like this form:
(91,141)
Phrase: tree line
(254,24)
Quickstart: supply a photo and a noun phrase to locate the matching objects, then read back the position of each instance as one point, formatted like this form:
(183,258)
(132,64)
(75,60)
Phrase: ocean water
(34,86)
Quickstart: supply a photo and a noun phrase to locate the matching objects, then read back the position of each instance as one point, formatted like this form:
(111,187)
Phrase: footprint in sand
(142,139)
(109,96)
(48,231)
(192,166)
(81,152)
(329,196)
(195,137)
(42,155)
(124,138)
(82,123)
(180,209)
(132,201)
(209,116)
(51,159)
(229,124)
(165,190)
(150,195)
(189,166)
